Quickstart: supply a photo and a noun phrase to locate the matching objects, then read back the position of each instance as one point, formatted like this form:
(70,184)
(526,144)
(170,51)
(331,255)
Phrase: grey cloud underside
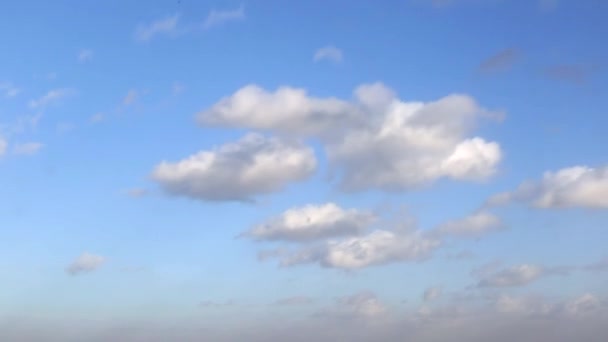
(374,140)
(239,171)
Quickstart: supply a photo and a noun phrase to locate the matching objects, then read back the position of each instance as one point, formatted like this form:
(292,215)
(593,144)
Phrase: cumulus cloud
(218,17)
(501,61)
(85,55)
(238,171)
(519,275)
(376,248)
(312,222)
(578,186)
(432,293)
(475,225)
(53,96)
(328,53)
(166,26)
(375,140)
(294,301)
(85,263)
(28,148)
(8,89)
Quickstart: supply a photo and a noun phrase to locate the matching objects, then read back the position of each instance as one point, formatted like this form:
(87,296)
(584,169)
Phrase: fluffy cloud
(28,148)
(578,186)
(312,222)
(165,26)
(376,248)
(50,97)
(237,171)
(85,263)
(218,17)
(513,276)
(375,140)
(475,225)
(328,53)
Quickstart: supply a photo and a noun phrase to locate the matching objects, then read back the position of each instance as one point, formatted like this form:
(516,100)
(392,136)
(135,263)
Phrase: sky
(420,170)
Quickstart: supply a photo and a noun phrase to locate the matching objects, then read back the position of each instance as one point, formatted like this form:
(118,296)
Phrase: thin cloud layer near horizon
(415,170)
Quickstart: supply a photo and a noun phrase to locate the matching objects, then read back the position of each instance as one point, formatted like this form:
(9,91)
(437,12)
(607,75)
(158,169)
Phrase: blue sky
(177,168)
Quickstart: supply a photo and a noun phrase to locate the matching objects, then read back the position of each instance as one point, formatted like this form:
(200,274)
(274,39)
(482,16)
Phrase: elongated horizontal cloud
(50,97)
(578,186)
(313,222)
(328,53)
(238,171)
(28,148)
(500,61)
(513,276)
(165,26)
(376,248)
(475,225)
(218,17)
(85,263)
(294,301)
(374,140)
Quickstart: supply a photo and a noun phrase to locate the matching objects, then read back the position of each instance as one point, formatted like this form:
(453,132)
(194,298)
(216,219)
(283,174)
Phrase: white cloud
(377,248)
(312,222)
(3,146)
(513,276)
(131,97)
(524,305)
(475,225)
(328,53)
(165,26)
(578,186)
(97,118)
(53,96)
(432,293)
(361,305)
(28,148)
(85,55)
(9,90)
(237,171)
(85,263)
(218,17)
(584,305)
(375,141)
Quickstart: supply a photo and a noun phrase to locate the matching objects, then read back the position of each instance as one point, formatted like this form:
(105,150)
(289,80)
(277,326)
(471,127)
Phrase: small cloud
(3,146)
(432,293)
(501,61)
(177,88)
(137,192)
(462,255)
(166,26)
(9,90)
(218,17)
(473,226)
(53,96)
(132,97)
(328,53)
(214,304)
(570,73)
(85,263)
(548,5)
(65,127)
(97,118)
(294,301)
(28,148)
(51,76)
(85,55)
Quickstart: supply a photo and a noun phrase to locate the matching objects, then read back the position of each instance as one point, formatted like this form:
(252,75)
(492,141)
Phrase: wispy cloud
(570,73)
(3,146)
(50,97)
(28,148)
(218,17)
(97,118)
(500,61)
(131,98)
(8,89)
(85,55)
(328,53)
(165,26)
